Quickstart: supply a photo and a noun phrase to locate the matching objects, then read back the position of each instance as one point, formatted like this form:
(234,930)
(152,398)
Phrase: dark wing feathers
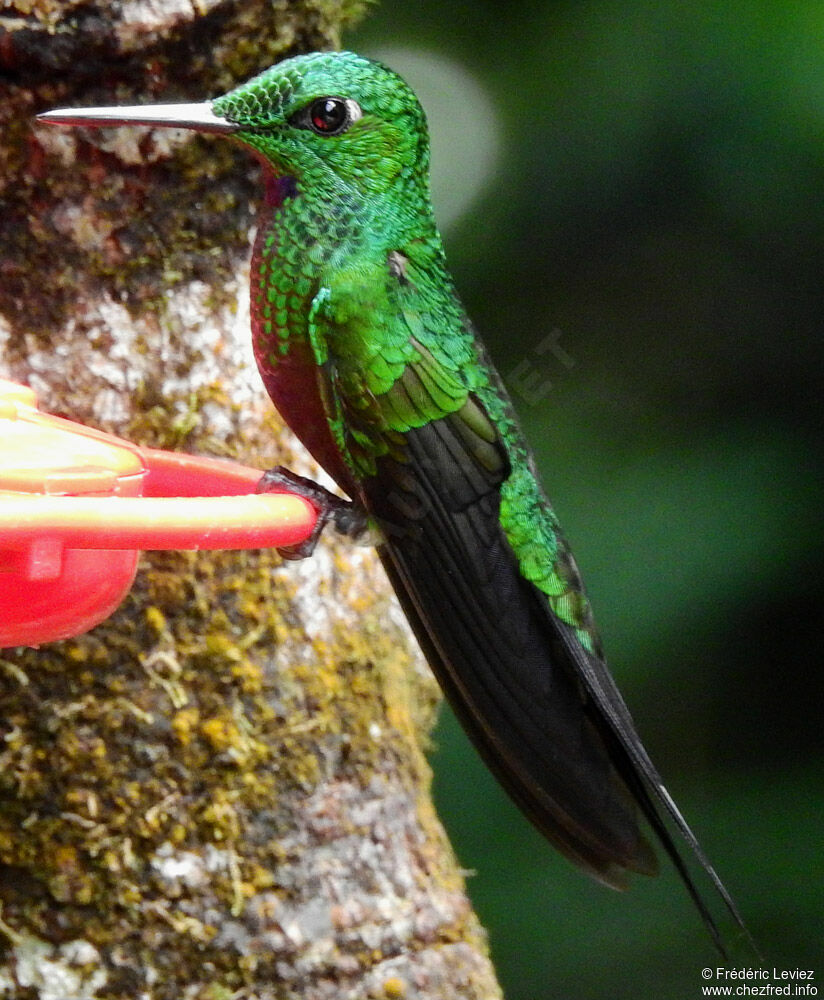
(544,713)
(493,645)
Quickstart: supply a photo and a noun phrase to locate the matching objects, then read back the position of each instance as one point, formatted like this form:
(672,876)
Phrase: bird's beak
(197,117)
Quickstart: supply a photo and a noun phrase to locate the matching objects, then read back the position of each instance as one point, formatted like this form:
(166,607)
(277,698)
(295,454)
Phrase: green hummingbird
(368,354)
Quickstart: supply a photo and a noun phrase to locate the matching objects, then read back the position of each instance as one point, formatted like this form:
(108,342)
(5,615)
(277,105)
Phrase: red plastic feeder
(78,505)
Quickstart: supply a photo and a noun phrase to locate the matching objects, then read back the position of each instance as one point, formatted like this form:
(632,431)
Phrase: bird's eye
(328,115)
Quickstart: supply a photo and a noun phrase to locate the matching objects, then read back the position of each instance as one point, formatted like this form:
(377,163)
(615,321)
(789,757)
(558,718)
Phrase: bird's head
(334,115)
(332,120)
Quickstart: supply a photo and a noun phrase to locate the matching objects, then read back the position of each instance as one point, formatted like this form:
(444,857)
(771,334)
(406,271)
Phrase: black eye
(328,115)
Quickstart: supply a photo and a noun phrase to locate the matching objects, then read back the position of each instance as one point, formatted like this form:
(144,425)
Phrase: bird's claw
(347,518)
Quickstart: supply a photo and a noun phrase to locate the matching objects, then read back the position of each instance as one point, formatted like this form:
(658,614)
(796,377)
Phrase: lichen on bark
(221,791)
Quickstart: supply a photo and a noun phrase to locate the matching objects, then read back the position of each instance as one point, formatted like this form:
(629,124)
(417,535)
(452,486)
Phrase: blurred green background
(632,203)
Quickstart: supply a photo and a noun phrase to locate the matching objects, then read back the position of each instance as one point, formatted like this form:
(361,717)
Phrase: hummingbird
(367,352)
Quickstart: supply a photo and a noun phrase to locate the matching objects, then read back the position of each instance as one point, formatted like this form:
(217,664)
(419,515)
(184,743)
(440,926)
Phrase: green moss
(168,724)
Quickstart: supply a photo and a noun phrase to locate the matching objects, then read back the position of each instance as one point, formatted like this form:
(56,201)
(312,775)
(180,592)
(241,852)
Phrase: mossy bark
(219,792)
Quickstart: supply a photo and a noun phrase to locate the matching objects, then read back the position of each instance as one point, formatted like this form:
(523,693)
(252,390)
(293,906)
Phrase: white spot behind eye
(354,109)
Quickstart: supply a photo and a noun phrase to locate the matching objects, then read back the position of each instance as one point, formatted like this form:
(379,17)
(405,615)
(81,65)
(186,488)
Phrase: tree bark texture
(220,792)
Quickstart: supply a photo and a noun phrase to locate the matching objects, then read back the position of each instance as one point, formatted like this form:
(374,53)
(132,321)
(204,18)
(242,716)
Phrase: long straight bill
(197,117)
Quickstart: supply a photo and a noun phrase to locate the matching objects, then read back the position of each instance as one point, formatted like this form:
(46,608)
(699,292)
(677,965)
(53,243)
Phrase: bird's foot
(347,518)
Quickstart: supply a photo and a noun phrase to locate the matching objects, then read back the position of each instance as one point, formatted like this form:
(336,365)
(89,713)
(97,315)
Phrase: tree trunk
(220,792)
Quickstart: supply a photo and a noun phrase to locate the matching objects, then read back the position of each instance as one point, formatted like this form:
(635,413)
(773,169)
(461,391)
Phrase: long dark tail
(543,712)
